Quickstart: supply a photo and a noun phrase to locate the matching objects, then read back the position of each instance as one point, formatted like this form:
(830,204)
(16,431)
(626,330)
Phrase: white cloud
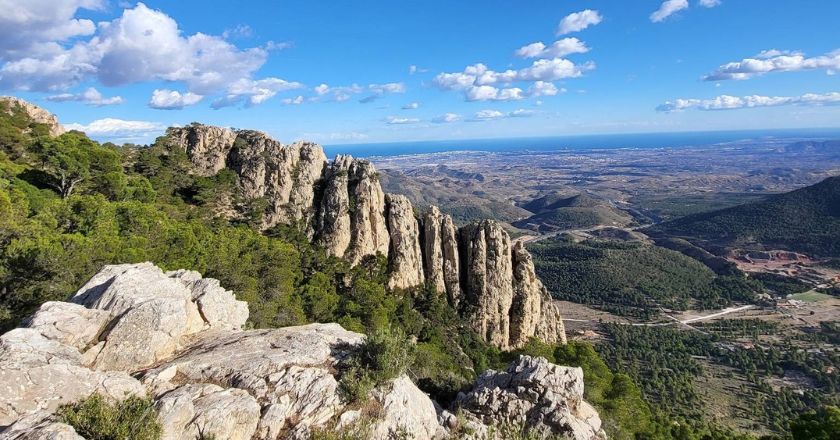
(489,115)
(90,96)
(112,128)
(278,45)
(35,27)
(553,70)
(559,48)
(376,91)
(254,92)
(668,8)
(334,136)
(411,106)
(322,89)
(447,118)
(387,88)
(141,45)
(486,115)
(521,113)
(297,100)
(727,102)
(164,99)
(394,120)
(490,93)
(238,31)
(544,88)
(478,82)
(578,21)
(775,61)
(709,3)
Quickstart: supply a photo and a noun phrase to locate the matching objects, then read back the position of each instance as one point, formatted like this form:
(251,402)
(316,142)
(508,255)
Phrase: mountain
(806,220)
(341,206)
(557,212)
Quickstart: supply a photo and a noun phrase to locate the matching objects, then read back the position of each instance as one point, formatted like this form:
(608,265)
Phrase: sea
(580,142)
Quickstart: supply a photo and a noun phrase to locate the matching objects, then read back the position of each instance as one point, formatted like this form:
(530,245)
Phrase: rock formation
(343,208)
(176,337)
(35,114)
(440,250)
(406,262)
(544,398)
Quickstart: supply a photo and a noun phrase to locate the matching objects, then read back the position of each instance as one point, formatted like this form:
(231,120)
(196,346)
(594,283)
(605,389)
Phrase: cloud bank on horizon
(125,71)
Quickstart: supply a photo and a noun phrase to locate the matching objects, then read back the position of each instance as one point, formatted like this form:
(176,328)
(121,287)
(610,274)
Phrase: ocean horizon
(578,142)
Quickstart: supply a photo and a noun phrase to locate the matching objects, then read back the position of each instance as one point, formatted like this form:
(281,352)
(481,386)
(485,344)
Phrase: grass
(810,296)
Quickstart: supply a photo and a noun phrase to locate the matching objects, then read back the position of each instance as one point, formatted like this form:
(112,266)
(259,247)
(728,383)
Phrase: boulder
(545,398)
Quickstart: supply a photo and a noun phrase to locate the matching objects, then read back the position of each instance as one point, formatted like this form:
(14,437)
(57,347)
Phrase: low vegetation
(96,418)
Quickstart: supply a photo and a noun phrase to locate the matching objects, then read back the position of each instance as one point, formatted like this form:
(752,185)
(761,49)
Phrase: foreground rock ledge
(178,338)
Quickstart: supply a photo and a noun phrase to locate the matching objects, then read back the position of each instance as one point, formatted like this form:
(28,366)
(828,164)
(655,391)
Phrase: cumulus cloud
(709,3)
(479,82)
(253,92)
(578,21)
(35,27)
(447,118)
(116,128)
(727,102)
(395,120)
(775,61)
(559,48)
(544,88)
(411,106)
(164,99)
(90,96)
(322,89)
(490,93)
(667,9)
(141,45)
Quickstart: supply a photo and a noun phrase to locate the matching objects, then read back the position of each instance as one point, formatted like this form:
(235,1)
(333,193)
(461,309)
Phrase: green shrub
(95,418)
(382,357)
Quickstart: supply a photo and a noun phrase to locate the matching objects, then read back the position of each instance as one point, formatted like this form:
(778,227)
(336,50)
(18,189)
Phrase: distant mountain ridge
(806,220)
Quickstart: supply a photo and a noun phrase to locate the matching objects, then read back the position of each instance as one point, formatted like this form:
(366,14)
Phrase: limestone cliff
(35,114)
(341,205)
(177,338)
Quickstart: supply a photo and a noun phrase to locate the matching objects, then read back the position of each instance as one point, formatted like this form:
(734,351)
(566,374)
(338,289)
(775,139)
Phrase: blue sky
(341,71)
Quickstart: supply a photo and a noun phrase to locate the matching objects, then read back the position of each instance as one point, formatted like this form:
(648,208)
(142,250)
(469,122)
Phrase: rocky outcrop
(176,337)
(440,253)
(406,262)
(532,313)
(545,399)
(367,212)
(342,207)
(488,280)
(206,146)
(208,377)
(35,114)
(334,214)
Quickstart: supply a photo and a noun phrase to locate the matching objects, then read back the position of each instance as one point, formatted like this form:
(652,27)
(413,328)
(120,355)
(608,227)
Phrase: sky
(339,72)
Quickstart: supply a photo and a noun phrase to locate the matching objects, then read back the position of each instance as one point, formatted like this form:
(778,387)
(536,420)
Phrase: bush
(94,418)
(384,356)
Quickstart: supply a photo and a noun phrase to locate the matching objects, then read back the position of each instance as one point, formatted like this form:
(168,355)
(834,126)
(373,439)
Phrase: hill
(806,220)
(557,212)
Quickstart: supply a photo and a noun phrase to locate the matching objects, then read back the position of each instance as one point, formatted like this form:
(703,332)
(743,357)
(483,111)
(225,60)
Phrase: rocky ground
(177,338)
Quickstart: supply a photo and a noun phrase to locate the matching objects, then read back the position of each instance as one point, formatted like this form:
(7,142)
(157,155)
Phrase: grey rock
(369,232)
(333,227)
(206,146)
(532,392)
(440,254)
(406,259)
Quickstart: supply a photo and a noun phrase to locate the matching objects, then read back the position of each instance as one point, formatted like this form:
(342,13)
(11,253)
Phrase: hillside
(556,212)
(633,278)
(806,220)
